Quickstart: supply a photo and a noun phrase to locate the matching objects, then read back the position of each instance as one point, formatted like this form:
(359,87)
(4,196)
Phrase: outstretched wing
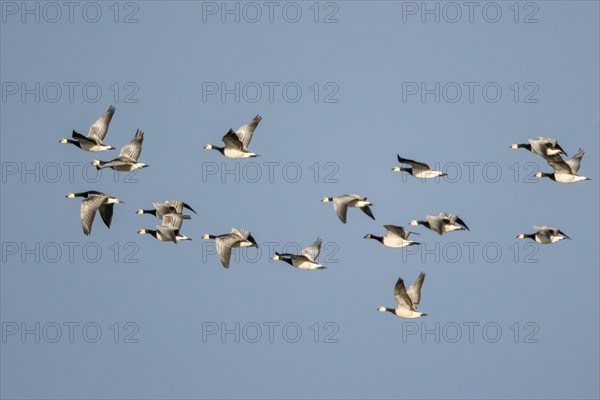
(244,133)
(173,220)
(106,212)
(168,232)
(100,127)
(367,210)
(312,251)
(416,165)
(397,231)
(574,161)
(402,298)
(414,291)
(224,245)
(340,205)
(133,149)
(232,141)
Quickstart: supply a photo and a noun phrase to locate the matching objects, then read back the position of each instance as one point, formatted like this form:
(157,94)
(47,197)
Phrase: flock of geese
(236,145)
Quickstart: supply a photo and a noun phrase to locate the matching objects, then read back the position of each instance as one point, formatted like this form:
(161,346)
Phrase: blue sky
(147,317)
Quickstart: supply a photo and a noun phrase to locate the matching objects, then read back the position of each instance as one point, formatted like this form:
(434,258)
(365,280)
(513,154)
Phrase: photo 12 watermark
(266,250)
(470,92)
(270,332)
(254,12)
(69,252)
(69,92)
(269,172)
(69,332)
(477,171)
(69,12)
(270,92)
(471,12)
(470,252)
(469,332)
(22,172)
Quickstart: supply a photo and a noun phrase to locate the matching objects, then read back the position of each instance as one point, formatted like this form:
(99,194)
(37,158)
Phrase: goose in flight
(442,223)
(407,301)
(417,169)
(341,204)
(545,235)
(564,171)
(168,207)
(395,237)
(94,139)
(226,242)
(305,260)
(168,231)
(236,143)
(95,201)
(541,146)
(128,158)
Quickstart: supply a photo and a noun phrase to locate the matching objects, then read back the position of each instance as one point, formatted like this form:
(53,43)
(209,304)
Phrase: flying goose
(236,143)
(93,140)
(227,241)
(95,201)
(564,171)
(168,231)
(442,223)
(128,158)
(541,146)
(305,260)
(545,235)
(341,204)
(418,169)
(395,237)
(168,207)
(407,301)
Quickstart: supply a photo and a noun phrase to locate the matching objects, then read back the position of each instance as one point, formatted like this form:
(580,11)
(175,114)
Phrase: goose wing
(574,161)
(367,210)
(341,203)
(397,231)
(169,233)
(402,298)
(416,165)
(132,150)
(414,291)
(559,165)
(89,206)
(100,127)
(106,212)
(436,223)
(312,251)
(173,220)
(179,206)
(454,219)
(163,209)
(232,141)
(224,245)
(244,133)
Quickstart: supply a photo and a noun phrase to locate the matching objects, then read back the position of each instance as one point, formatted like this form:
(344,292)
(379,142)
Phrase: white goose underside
(568,178)
(396,242)
(235,153)
(428,174)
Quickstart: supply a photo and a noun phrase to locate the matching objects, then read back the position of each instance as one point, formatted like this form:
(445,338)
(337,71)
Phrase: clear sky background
(548,311)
